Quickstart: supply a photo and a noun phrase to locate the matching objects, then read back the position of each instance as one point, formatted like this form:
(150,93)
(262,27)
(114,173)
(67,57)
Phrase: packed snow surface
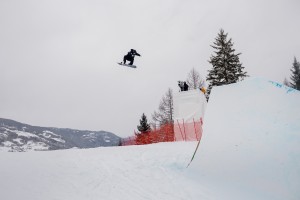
(111,173)
(250,149)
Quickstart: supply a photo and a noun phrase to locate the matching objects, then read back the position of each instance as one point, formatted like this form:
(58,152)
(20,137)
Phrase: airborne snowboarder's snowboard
(132,66)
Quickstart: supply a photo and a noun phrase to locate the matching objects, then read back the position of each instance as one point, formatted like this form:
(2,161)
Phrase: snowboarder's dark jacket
(131,54)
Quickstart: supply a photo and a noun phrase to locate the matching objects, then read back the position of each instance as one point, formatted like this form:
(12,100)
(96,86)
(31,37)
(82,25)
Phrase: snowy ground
(111,173)
(250,149)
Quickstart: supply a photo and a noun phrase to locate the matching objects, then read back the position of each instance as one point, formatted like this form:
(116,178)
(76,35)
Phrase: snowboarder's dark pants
(129,58)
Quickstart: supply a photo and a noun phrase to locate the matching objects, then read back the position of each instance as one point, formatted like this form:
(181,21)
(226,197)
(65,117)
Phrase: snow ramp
(250,148)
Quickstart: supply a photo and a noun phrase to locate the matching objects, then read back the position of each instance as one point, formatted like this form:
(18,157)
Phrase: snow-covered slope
(110,173)
(250,147)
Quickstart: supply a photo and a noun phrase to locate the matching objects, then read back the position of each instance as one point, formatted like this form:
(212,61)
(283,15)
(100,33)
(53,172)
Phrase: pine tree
(226,66)
(295,77)
(144,126)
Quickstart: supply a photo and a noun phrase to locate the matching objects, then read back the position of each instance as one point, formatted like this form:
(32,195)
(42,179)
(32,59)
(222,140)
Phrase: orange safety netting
(179,131)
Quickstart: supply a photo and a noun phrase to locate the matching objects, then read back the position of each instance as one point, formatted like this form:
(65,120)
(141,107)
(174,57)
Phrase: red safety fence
(188,131)
(177,131)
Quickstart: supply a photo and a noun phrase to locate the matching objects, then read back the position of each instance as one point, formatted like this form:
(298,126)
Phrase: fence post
(180,130)
(201,130)
(184,130)
(195,129)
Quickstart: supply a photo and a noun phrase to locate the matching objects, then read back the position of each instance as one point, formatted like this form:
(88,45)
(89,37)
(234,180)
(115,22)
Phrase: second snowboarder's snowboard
(132,66)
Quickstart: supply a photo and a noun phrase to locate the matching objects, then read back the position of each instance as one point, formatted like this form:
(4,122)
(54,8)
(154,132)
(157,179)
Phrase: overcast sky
(58,58)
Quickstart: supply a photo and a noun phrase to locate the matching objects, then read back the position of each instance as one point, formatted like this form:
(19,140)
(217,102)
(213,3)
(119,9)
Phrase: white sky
(58,58)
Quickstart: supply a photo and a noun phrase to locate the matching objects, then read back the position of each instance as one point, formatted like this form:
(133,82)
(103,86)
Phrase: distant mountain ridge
(19,137)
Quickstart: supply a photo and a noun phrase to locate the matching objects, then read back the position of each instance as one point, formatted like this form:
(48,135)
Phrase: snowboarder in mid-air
(130,57)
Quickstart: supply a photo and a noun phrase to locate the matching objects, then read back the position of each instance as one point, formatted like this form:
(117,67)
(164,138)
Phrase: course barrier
(177,131)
